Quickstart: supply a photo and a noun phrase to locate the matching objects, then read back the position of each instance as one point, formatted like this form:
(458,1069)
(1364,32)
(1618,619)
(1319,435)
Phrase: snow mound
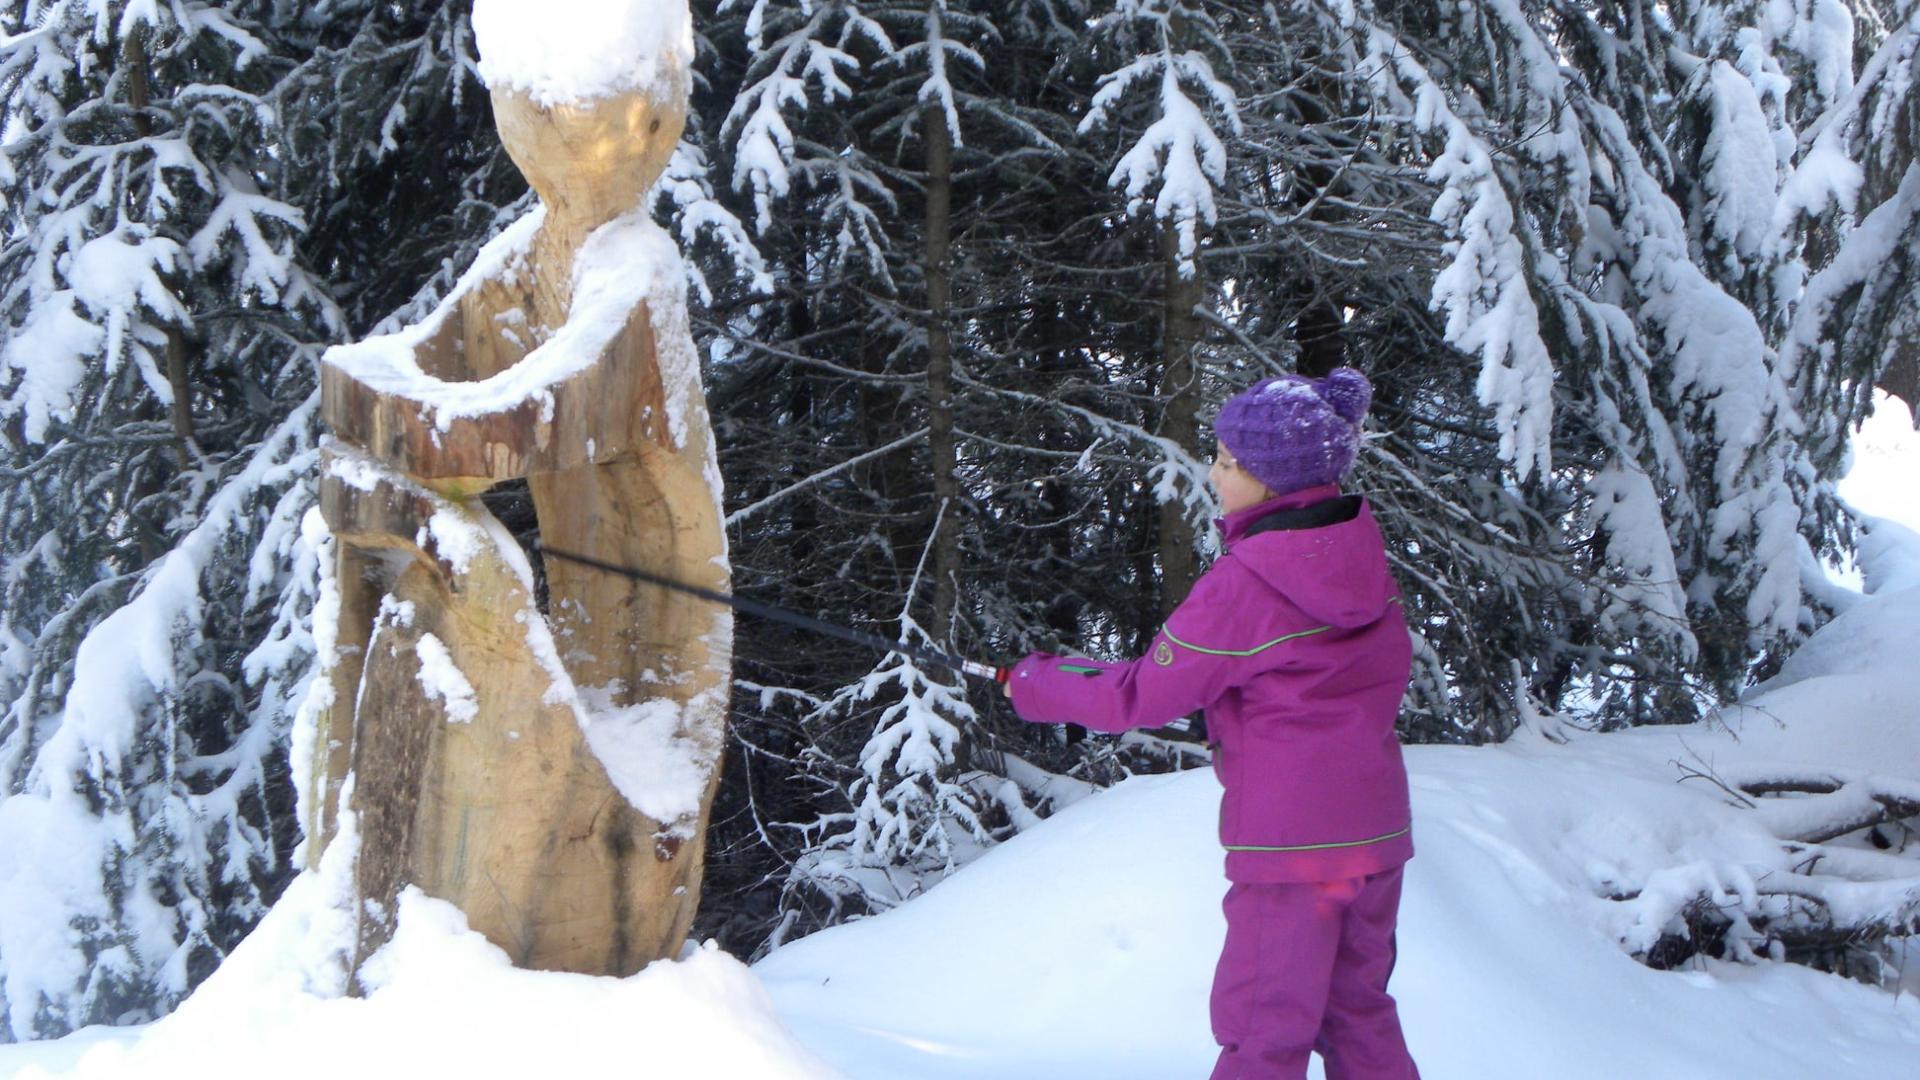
(447,1003)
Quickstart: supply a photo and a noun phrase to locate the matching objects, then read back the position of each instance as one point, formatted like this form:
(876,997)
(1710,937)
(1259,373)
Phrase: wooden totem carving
(544,762)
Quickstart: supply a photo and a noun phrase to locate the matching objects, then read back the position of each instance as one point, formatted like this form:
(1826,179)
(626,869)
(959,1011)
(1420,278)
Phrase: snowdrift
(448,1004)
(1085,948)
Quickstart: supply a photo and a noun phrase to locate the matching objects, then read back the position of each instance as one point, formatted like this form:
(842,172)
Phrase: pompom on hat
(1292,432)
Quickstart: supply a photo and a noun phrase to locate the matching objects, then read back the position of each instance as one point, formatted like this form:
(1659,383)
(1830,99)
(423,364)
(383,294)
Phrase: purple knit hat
(1291,432)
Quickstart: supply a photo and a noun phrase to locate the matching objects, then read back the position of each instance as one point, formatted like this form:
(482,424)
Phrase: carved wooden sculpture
(547,769)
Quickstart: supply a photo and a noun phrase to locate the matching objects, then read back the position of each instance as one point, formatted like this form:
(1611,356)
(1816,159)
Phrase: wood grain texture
(508,813)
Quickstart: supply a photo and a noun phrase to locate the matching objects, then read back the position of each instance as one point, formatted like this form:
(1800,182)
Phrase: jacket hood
(1336,573)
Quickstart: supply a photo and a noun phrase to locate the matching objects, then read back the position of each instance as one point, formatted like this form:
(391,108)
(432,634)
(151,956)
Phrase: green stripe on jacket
(1243,652)
(1322,847)
(1281,640)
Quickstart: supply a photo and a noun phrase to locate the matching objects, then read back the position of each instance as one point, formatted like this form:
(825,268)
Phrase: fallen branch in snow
(1840,804)
(1827,922)
(1836,906)
(1688,772)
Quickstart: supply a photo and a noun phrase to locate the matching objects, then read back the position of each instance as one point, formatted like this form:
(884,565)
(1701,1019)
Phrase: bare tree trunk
(1319,329)
(800,398)
(182,392)
(1179,420)
(945,559)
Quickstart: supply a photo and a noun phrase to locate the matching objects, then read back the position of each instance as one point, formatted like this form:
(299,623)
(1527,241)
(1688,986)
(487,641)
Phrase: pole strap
(790,618)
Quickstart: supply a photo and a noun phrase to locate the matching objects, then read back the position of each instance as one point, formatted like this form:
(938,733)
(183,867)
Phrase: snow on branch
(1817,895)
(1839,803)
(1865,263)
(934,51)
(96,261)
(757,124)
(1860,134)
(1726,908)
(912,817)
(684,202)
(806,481)
(1721,370)
(852,190)
(1179,150)
(1628,511)
(1483,289)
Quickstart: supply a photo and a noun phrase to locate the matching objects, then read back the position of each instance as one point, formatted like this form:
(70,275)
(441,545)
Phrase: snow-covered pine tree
(1853,203)
(876,250)
(1637,400)
(1539,226)
(1578,478)
(1168,52)
(275,137)
(912,818)
(160,326)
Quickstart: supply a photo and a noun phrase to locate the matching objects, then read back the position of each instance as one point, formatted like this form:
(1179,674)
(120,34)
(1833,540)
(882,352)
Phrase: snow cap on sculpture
(590,97)
(1292,432)
(561,52)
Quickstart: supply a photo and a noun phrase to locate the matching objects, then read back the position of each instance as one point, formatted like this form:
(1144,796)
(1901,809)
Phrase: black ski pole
(791,618)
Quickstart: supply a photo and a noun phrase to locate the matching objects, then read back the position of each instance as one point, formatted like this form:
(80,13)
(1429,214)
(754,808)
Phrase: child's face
(1236,486)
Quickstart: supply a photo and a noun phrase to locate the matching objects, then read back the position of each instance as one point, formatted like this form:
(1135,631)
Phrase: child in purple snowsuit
(1294,644)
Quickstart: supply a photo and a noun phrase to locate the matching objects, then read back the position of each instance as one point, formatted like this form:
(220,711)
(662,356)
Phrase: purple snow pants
(1305,968)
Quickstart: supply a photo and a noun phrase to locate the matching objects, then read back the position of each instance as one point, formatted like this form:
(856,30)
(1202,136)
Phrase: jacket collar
(1235,525)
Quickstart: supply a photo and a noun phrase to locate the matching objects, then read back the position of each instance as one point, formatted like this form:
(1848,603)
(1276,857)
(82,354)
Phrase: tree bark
(462,711)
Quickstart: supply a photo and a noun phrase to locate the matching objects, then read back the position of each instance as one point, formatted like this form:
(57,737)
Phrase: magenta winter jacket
(1294,644)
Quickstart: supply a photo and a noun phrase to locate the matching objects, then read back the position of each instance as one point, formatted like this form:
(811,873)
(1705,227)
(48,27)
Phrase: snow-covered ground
(1084,947)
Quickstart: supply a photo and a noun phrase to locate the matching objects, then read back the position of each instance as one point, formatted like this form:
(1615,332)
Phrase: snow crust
(567,51)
